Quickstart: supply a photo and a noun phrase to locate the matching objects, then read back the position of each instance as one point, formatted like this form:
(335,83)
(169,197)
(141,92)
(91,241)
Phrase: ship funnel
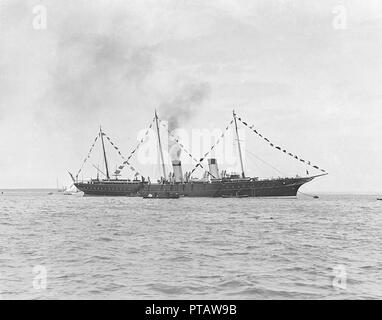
(213,166)
(177,167)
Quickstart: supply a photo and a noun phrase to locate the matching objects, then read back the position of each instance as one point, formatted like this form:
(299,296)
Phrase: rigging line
(88,155)
(126,161)
(251,153)
(119,152)
(138,145)
(104,154)
(279,148)
(213,146)
(308,195)
(98,169)
(185,150)
(142,140)
(238,145)
(160,145)
(114,146)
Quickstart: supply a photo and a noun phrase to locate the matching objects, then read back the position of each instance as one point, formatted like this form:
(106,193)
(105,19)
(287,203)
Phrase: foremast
(104,153)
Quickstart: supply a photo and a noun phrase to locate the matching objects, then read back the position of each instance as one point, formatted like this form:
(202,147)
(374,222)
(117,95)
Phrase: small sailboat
(71,190)
(60,189)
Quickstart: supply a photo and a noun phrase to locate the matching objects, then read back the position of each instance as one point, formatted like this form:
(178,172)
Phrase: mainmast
(238,145)
(160,145)
(104,154)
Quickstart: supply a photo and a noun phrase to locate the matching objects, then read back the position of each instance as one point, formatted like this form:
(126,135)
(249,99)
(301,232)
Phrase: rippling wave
(116,248)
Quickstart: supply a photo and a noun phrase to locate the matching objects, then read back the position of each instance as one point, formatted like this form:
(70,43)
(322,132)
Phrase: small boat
(70,191)
(166,195)
(316,197)
(379,198)
(235,196)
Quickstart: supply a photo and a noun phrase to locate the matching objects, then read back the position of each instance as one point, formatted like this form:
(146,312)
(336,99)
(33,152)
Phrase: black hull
(287,187)
(110,188)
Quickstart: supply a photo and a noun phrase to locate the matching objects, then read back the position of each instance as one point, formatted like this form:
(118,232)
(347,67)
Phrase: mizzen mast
(238,145)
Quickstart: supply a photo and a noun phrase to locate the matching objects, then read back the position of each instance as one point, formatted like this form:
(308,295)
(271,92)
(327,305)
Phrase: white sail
(71,190)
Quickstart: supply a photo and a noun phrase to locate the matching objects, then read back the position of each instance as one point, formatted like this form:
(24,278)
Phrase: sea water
(56,246)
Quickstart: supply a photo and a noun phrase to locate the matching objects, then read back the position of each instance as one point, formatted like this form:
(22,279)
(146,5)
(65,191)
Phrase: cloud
(96,65)
(280,63)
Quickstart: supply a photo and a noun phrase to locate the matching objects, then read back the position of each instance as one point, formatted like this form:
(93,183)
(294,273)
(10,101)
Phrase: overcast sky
(308,74)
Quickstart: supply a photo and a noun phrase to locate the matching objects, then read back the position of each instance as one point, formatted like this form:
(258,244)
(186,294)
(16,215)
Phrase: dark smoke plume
(178,111)
(99,61)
